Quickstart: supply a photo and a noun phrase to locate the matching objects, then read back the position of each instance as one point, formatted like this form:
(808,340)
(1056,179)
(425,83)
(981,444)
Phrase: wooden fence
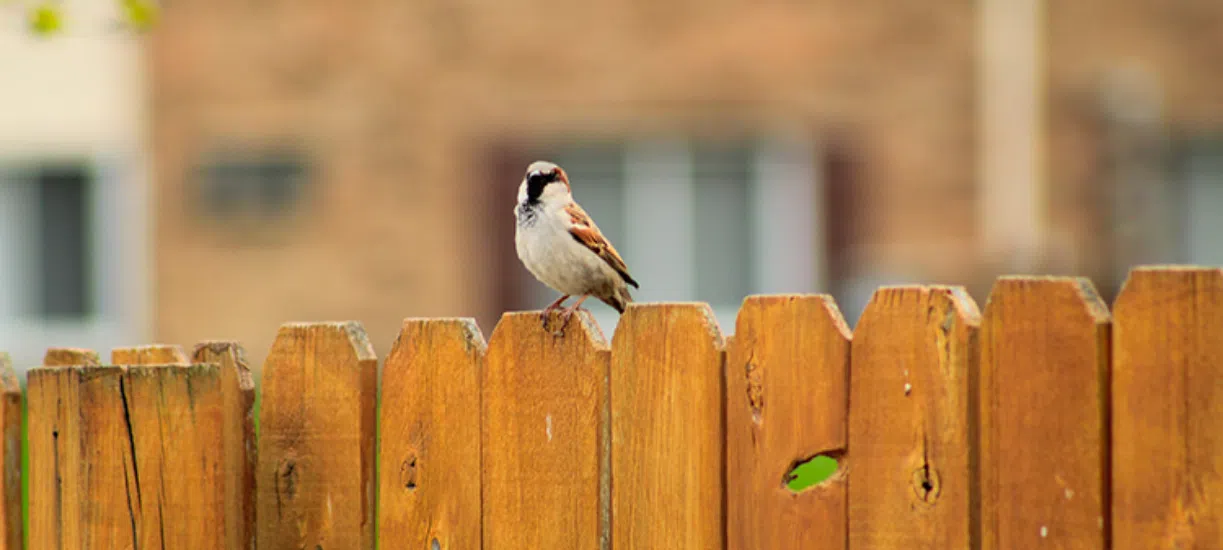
(1044,422)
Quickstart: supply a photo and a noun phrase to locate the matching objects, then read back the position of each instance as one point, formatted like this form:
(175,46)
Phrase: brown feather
(586,232)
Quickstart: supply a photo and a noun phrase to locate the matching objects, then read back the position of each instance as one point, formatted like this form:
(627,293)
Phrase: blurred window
(251,185)
(46,242)
(705,220)
(1202,169)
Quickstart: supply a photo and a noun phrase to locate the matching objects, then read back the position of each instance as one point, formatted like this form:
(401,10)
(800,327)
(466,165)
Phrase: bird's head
(544,179)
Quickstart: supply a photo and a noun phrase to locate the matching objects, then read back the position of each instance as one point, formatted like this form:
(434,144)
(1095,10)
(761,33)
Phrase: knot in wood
(407,472)
(926,484)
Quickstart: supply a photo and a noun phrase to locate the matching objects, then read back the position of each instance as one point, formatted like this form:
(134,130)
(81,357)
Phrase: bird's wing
(586,233)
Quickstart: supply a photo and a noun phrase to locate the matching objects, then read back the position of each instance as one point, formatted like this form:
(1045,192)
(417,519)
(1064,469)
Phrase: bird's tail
(619,299)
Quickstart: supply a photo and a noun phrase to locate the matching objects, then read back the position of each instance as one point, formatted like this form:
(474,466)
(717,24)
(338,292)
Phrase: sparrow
(562,247)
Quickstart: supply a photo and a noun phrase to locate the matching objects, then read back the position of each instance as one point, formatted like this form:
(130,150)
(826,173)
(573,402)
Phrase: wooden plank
(238,436)
(667,399)
(125,457)
(66,357)
(315,479)
(543,436)
(787,385)
(11,524)
(914,351)
(429,428)
(76,421)
(156,354)
(1168,410)
(1043,415)
(176,488)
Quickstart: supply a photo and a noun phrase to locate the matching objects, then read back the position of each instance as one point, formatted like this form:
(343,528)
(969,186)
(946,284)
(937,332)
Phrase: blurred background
(208,170)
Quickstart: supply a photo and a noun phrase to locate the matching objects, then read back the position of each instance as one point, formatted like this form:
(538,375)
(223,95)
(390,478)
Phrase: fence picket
(315,479)
(156,354)
(1043,415)
(544,435)
(667,444)
(786,390)
(915,352)
(67,357)
(429,460)
(125,456)
(1168,410)
(238,434)
(11,525)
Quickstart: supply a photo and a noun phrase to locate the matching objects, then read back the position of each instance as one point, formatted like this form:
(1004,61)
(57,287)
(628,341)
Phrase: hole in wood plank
(434,545)
(805,474)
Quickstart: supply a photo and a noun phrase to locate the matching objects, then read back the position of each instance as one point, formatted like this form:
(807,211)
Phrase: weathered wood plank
(429,490)
(1043,415)
(667,400)
(1168,410)
(915,354)
(156,354)
(125,457)
(315,479)
(67,357)
(176,487)
(787,376)
(238,434)
(76,420)
(544,435)
(11,524)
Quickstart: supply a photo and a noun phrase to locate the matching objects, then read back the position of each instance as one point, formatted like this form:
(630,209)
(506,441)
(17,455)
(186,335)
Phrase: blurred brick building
(325,160)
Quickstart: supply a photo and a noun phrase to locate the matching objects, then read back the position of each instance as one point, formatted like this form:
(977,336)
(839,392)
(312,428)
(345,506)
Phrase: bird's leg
(565,315)
(543,316)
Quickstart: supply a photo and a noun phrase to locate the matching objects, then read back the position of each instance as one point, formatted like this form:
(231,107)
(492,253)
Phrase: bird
(561,246)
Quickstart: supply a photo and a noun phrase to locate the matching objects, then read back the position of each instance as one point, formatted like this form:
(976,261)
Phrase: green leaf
(45,19)
(140,14)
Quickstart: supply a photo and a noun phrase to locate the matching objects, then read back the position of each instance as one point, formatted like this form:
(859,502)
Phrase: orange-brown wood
(787,376)
(126,457)
(544,435)
(1043,415)
(11,524)
(156,354)
(1168,410)
(238,434)
(667,400)
(915,354)
(429,459)
(66,357)
(315,479)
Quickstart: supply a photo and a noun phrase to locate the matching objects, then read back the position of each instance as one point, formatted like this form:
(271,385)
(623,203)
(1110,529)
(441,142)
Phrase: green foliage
(47,17)
(811,472)
(140,14)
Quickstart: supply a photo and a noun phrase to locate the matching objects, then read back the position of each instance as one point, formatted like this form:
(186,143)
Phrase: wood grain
(66,357)
(914,358)
(238,436)
(787,377)
(1168,410)
(667,400)
(544,435)
(156,354)
(11,524)
(429,488)
(1043,415)
(126,457)
(315,479)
